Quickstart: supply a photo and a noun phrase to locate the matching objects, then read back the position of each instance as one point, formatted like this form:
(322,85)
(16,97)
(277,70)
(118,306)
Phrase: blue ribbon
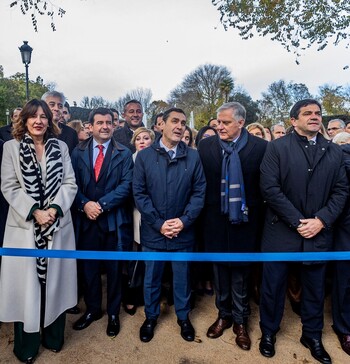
(175,256)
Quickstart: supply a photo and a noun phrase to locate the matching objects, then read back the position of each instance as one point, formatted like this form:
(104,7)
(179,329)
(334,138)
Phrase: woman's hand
(44,217)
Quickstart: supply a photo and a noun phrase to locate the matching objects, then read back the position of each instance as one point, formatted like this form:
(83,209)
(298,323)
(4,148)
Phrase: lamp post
(7,116)
(26,53)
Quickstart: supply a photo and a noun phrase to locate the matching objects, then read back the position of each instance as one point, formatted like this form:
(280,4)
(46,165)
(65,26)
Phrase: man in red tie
(103,170)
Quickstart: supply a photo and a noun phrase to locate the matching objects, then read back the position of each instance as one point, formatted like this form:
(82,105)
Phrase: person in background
(116,124)
(78,126)
(335,126)
(133,290)
(188,137)
(257,130)
(213,123)
(40,188)
(55,100)
(278,130)
(268,133)
(158,123)
(6,131)
(66,113)
(342,138)
(205,132)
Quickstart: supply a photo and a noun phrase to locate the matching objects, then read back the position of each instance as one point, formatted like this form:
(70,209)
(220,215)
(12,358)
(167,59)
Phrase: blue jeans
(181,284)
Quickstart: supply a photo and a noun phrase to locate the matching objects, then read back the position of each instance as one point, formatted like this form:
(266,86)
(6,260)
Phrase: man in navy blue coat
(304,183)
(169,188)
(103,170)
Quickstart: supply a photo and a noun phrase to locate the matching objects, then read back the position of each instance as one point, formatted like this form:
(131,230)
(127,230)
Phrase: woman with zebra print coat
(38,183)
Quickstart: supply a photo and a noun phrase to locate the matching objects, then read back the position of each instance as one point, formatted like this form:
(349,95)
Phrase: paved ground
(94,346)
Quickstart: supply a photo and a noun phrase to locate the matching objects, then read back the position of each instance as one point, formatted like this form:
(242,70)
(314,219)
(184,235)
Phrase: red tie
(99,161)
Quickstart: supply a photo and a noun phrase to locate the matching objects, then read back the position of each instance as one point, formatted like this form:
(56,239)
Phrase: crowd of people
(111,184)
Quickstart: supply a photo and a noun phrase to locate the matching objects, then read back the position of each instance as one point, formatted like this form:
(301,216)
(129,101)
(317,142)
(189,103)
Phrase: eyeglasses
(334,128)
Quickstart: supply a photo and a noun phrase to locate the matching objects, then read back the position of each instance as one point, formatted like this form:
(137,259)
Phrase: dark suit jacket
(6,132)
(294,188)
(116,200)
(218,233)
(69,136)
(3,204)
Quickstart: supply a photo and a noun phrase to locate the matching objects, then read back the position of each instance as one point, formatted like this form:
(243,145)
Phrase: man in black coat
(232,214)
(304,183)
(6,131)
(133,114)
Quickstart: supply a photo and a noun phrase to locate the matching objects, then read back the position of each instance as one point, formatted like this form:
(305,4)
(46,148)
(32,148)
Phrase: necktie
(312,142)
(171,153)
(99,161)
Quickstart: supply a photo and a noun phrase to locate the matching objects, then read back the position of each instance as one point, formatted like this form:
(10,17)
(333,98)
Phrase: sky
(109,47)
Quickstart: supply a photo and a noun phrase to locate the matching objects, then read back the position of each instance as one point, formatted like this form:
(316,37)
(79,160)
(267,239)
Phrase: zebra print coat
(19,284)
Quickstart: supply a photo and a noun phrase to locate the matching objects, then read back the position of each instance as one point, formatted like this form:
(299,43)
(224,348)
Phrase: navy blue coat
(167,188)
(116,201)
(295,189)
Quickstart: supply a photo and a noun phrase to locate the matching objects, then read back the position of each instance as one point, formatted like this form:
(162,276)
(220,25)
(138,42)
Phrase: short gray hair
(54,94)
(340,121)
(277,124)
(238,110)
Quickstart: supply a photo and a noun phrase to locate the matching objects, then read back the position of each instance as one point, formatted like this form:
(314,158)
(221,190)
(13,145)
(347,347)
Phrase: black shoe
(187,330)
(86,320)
(30,360)
(73,310)
(113,326)
(130,311)
(147,330)
(317,350)
(296,307)
(267,345)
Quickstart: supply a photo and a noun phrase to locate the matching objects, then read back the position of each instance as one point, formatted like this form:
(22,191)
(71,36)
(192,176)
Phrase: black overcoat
(294,188)
(219,234)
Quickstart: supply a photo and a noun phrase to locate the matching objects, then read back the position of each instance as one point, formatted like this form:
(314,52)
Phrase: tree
(279,98)
(252,107)
(143,95)
(13,92)
(296,24)
(202,91)
(335,99)
(39,8)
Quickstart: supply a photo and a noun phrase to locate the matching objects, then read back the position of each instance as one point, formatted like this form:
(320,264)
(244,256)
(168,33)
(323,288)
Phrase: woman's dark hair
(190,143)
(201,132)
(28,111)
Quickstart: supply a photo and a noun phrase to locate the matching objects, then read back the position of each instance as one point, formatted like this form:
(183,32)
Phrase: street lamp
(26,53)
(7,116)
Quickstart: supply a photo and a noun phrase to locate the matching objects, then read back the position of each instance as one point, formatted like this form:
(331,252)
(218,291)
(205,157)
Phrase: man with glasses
(335,126)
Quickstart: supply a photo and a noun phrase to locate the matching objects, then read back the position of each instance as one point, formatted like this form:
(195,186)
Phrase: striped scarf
(42,193)
(233,201)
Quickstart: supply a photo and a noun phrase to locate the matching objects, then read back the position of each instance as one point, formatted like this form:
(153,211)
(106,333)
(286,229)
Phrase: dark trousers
(153,283)
(231,290)
(26,345)
(273,292)
(341,297)
(94,238)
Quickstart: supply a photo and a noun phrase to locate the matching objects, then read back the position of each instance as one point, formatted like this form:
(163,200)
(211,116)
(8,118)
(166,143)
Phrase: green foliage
(278,99)
(296,24)
(335,99)
(203,91)
(252,107)
(13,92)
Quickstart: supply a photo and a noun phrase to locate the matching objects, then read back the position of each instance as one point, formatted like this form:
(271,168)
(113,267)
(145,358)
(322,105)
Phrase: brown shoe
(242,339)
(345,342)
(218,327)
